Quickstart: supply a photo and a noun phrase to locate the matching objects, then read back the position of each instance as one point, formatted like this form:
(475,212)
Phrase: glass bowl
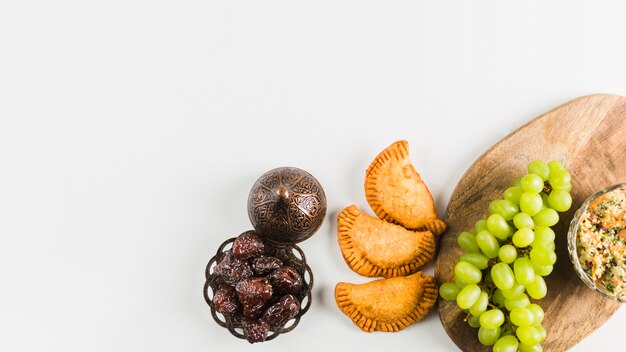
(572,247)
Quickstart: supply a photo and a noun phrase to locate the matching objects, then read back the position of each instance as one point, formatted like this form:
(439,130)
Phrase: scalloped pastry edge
(396,151)
(371,324)
(357,259)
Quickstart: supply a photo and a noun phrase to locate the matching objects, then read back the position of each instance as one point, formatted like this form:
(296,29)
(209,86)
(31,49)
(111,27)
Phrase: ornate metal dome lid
(286,205)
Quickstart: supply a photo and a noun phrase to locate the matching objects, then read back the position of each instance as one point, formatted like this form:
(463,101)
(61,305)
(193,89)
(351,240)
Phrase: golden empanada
(397,193)
(387,304)
(374,247)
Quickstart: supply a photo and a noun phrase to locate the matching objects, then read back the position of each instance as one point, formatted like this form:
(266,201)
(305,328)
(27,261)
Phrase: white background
(131,132)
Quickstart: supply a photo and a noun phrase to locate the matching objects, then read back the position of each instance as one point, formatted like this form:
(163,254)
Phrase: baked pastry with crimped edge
(374,247)
(387,304)
(397,193)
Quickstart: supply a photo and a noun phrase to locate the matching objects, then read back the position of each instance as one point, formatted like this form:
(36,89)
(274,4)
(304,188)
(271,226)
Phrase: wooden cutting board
(588,135)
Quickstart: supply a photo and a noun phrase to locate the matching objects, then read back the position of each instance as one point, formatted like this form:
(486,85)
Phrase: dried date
(280,312)
(255,330)
(286,280)
(254,290)
(248,245)
(253,310)
(225,300)
(232,270)
(263,264)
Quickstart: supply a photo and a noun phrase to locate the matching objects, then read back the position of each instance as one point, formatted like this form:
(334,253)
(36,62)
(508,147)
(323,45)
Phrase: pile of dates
(256,287)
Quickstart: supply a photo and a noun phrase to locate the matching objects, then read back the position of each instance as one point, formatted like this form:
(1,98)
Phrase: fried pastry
(374,247)
(387,304)
(397,193)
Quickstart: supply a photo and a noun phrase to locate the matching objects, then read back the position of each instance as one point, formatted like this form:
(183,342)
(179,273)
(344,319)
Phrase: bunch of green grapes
(506,258)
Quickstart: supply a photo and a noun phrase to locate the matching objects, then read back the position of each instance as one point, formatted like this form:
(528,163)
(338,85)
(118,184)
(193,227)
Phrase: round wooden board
(588,135)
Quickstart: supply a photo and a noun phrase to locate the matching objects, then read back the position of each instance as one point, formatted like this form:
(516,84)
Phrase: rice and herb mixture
(601,241)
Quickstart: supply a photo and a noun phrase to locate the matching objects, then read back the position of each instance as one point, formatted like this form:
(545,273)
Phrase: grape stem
(509,323)
(547,188)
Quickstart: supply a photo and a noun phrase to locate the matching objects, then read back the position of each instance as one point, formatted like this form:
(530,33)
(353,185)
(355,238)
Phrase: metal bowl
(291,255)
(572,247)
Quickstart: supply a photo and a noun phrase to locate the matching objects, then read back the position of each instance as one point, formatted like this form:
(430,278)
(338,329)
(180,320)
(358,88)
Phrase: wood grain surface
(588,135)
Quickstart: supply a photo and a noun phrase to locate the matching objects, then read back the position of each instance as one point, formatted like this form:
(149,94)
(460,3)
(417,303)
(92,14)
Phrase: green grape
(559,178)
(522,317)
(480,225)
(546,217)
(502,276)
(468,296)
(492,319)
(530,203)
(504,207)
(537,289)
(524,272)
(507,254)
(560,200)
(473,321)
(539,168)
(488,336)
(514,292)
(498,226)
(523,237)
(512,194)
(527,348)
(467,272)
(528,335)
(498,297)
(541,256)
(532,183)
(544,201)
(537,313)
(488,244)
(449,291)
(520,302)
(542,332)
(506,344)
(532,212)
(459,283)
(478,260)
(549,246)
(543,270)
(566,187)
(523,220)
(543,236)
(555,166)
(467,241)
(481,304)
